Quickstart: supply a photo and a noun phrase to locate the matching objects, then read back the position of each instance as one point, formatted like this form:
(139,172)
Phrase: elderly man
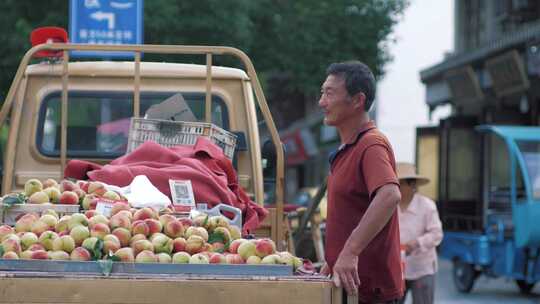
(362,233)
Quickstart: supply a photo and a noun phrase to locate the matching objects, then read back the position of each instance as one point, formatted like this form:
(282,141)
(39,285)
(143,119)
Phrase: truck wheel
(464,276)
(524,287)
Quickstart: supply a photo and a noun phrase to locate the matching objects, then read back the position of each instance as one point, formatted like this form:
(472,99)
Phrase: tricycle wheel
(464,276)
(524,287)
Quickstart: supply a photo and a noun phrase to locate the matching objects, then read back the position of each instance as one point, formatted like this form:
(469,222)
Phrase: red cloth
(211,173)
(357,171)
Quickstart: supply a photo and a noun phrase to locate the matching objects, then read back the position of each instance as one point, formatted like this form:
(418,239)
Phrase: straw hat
(408,171)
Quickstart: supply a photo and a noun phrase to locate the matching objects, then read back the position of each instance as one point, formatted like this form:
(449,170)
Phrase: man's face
(336,104)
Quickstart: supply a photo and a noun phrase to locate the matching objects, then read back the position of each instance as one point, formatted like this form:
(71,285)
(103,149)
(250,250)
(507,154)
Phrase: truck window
(98,122)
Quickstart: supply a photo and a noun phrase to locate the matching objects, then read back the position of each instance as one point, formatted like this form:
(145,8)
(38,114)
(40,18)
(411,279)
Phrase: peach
(199,258)
(123,234)
(28,239)
(90,243)
(120,221)
(50,220)
(271,259)
(144,213)
(35,247)
(11,244)
(111,244)
(89,202)
(112,195)
(165,218)
(83,185)
(39,197)
(137,237)
(80,194)
(264,247)
(200,231)
(47,238)
(39,255)
(235,232)
(181,258)
(67,185)
(10,255)
(217,221)
(200,220)
(224,233)
(32,186)
(246,249)
(186,222)
(62,224)
(79,234)
(233,246)
(100,230)
(80,254)
(179,244)
(53,193)
(163,258)
(69,198)
(217,258)
(253,260)
(174,229)
(194,244)
(90,214)
(98,218)
(38,227)
(119,206)
(59,255)
(146,256)
(142,245)
(154,226)
(5,230)
(162,244)
(96,188)
(51,212)
(64,243)
(77,219)
(125,213)
(140,227)
(50,183)
(232,258)
(125,254)
(26,255)
(217,247)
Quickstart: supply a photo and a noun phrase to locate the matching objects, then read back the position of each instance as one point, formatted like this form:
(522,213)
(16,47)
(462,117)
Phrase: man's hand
(325,270)
(411,246)
(346,272)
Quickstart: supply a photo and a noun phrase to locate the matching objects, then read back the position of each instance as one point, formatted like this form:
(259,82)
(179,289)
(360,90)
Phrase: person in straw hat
(420,232)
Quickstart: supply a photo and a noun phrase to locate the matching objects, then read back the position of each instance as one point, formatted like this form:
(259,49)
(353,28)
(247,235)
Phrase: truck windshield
(531,154)
(98,122)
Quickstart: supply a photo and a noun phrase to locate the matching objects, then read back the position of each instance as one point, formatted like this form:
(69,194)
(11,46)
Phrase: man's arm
(376,217)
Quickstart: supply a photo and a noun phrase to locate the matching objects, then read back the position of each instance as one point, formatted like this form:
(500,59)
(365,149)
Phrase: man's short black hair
(358,78)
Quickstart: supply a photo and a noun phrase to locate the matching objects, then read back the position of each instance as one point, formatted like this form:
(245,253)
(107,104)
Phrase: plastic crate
(172,133)
(10,215)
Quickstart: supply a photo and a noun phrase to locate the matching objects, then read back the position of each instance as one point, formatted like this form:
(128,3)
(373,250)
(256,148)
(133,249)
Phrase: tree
(291,42)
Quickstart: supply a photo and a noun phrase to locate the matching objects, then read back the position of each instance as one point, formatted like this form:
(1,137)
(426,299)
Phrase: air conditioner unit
(464,86)
(507,74)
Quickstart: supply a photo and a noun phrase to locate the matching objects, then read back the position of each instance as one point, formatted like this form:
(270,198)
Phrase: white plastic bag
(142,193)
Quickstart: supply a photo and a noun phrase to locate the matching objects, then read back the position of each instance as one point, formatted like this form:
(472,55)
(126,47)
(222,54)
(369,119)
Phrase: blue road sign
(105,22)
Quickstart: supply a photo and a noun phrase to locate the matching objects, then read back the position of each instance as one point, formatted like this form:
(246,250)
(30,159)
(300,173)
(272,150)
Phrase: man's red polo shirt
(357,171)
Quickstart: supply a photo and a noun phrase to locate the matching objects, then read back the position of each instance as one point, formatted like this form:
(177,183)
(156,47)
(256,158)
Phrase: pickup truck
(58,110)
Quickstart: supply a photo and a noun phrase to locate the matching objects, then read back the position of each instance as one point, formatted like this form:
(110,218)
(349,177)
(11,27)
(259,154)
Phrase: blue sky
(424,34)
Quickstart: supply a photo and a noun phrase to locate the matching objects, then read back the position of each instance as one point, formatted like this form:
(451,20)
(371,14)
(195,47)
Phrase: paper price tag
(104,207)
(182,194)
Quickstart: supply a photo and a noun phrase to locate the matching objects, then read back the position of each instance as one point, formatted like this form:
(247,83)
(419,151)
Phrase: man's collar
(366,127)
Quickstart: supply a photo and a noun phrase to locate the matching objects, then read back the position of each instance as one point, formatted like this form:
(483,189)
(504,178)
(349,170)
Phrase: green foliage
(291,42)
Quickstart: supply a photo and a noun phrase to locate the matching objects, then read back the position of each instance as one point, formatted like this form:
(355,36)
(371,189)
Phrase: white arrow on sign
(99,16)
